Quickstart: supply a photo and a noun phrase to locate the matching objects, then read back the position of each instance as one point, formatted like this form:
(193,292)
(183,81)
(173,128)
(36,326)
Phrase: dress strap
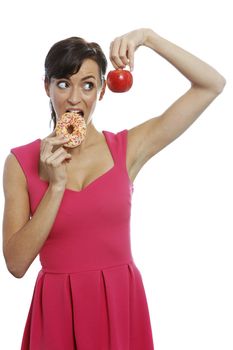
(122,146)
(118,146)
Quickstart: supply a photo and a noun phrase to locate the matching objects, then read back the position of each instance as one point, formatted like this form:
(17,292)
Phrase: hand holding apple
(119,80)
(122,51)
(123,47)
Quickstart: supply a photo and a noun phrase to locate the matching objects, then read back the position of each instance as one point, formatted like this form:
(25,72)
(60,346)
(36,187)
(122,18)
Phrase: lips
(75,110)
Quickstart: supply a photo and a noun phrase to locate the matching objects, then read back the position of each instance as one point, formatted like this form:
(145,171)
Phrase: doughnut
(73,126)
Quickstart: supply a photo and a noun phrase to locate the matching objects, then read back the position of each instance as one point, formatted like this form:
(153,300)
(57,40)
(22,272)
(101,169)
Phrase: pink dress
(89,294)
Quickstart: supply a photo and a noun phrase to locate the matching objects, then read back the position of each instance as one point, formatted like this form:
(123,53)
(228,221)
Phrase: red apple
(119,80)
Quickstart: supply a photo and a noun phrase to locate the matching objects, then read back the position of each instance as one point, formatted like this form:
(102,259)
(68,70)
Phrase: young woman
(72,206)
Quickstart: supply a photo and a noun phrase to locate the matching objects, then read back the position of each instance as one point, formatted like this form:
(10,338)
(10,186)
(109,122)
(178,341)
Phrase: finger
(42,147)
(60,159)
(47,150)
(131,56)
(114,54)
(53,134)
(58,154)
(47,153)
(49,143)
(43,143)
(57,140)
(123,52)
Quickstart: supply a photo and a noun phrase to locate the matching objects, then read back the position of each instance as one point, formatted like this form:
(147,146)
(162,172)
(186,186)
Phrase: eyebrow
(88,77)
(84,78)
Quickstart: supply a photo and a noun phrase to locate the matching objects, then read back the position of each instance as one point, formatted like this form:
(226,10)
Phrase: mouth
(78,111)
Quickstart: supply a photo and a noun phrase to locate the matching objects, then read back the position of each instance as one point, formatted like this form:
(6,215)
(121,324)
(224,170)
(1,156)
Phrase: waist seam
(87,270)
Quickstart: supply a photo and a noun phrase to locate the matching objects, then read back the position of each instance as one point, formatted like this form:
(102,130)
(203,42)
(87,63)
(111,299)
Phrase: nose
(74,96)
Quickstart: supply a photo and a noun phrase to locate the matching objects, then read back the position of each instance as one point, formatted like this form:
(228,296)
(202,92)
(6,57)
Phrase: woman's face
(78,92)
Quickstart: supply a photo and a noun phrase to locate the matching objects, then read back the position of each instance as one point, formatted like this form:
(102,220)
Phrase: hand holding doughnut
(53,160)
(72,126)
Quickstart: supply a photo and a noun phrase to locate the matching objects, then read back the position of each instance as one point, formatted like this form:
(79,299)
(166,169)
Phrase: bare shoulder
(13,174)
(17,207)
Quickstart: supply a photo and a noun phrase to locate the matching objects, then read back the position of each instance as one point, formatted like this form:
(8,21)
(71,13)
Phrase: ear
(46,86)
(102,91)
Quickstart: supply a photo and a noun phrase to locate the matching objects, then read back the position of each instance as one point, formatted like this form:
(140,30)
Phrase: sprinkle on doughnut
(72,126)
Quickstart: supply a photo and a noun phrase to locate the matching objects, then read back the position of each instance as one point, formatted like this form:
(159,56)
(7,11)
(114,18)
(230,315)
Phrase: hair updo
(66,57)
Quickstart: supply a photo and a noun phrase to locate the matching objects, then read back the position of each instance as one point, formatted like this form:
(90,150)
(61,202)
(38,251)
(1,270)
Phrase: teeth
(78,112)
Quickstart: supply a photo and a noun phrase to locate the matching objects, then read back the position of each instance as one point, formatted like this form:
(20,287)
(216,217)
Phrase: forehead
(88,67)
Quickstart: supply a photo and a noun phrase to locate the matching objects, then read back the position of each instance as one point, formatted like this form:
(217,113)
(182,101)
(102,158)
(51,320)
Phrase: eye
(62,84)
(88,85)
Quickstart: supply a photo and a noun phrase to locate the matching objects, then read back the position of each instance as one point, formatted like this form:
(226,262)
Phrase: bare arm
(23,237)
(148,138)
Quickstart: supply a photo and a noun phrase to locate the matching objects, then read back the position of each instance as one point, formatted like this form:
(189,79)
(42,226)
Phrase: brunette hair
(66,57)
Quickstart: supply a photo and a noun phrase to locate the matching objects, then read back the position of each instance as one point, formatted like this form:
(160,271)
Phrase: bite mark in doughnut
(72,126)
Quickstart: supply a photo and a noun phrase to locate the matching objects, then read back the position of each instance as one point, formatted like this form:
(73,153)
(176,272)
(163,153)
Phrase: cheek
(57,99)
(91,99)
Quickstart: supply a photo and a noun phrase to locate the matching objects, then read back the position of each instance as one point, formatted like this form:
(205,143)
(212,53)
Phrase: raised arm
(148,138)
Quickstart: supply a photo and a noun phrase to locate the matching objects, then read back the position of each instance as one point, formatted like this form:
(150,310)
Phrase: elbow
(14,266)
(220,85)
(15,270)
(16,273)
(215,88)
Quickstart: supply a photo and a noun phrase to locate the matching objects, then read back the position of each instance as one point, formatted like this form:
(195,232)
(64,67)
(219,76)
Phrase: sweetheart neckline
(96,179)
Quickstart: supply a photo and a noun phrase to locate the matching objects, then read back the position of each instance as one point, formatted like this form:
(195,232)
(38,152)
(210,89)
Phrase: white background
(181,228)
